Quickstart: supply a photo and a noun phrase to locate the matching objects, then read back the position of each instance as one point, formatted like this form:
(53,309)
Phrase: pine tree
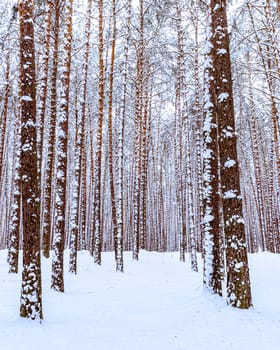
(49,166)
(212,278)
(120,152)
(83,195)
(98,162)
(31,305)
(57,282)
(14,225)
(138,128)
(110,127)
(238,281)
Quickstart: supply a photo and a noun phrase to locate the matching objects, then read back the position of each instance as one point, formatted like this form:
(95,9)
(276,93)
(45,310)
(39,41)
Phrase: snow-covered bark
(238,281)
(138,124)
(120,150)
(44,73)
(43,86)
(4,115)
(83,195)
(144,161)
(42,101)
(178,135)
(110,127)
(98,161)
(198,135)
(57,281)
(14,225)
(211,276)
(49,166)
(30,301)
(5,155)
(190,204)
(74,219)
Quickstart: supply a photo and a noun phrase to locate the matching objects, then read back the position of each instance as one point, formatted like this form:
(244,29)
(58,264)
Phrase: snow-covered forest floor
(158,303)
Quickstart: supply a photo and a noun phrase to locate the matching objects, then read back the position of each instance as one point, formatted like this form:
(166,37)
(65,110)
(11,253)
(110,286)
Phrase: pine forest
(140,154)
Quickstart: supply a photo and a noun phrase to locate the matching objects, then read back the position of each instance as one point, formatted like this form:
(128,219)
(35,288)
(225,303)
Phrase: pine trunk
(31,294)
(238,281)
(98,161)
(57,281)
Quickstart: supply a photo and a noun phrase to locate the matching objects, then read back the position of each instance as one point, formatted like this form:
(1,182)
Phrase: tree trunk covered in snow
(49,167)
(120,151)
(138,122)
(42,105)
(98,161)
(190,202)
(212,277)
(198,136)
(43,87)
(178,135)
(57,282)
(110,128)
(144,164)
(83,151)
(74,219)
(44,76)
(30,302)
(238,281)
(14,225)
(4,115)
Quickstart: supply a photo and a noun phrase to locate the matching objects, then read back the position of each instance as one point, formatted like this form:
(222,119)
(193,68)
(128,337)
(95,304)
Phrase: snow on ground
(157,304)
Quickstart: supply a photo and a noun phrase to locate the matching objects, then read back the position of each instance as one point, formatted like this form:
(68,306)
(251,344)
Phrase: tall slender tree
(98,162)
(138,128)
(30,302)
(83,152)
(238,281)
(49,166)
(120,152)
(110,126)
(14,225)
(57,282)
(211,278)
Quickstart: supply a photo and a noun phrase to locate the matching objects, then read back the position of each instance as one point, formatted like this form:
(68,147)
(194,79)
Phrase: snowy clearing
(158,303)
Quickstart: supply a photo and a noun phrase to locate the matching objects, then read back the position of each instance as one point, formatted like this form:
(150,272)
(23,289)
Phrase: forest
(132,128)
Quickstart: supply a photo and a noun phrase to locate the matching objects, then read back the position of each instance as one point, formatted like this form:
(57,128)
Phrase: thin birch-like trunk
(98,161)
(211,276)
(49,167)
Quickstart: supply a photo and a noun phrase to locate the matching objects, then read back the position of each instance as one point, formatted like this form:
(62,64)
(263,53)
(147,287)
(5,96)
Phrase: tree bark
(57,280)
(31,294)
(98,161)
(238,280)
